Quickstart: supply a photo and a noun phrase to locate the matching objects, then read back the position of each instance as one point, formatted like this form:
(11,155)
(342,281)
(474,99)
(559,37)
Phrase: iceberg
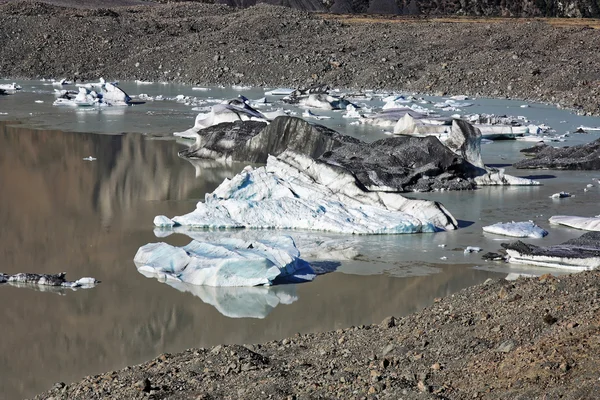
(55,280)
(516,229)
(10,87)
(584,223)
(295,191)
(578,157)
(226,262)
(230,111)
(579,254)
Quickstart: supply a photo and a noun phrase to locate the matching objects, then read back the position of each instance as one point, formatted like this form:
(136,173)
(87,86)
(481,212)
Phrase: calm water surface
(60,213)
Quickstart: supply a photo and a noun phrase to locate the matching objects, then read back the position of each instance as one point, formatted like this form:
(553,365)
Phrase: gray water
(60,213)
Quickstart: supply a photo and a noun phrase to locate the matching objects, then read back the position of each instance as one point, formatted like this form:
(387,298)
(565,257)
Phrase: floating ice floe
(226,262)
(584,223)
(578,157)
(47,280)
(578,254)
(516,229)
(279,92)
(61,82)
(296,192)
(472,249)
(90,158)
(230,111)
(560,195)
(588,128)
(310,114)
(10,87)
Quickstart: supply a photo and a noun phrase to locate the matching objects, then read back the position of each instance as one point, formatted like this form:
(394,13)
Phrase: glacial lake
(61,213)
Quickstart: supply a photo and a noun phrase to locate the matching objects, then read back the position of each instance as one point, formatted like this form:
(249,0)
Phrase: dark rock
(143,385)
(389,322)
(580,157)
(549,319)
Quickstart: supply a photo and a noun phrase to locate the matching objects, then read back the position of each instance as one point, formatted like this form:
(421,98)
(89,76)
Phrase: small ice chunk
(472,249)
(516,229)
(585,223)
(89,158)
(39,101)
(163,221)
(86,282)
(560,195)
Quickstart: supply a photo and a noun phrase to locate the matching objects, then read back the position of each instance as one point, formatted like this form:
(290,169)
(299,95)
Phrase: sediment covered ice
(54,280)
(580,254)
(226,262)
(295,191)
(584,223)
(516,229)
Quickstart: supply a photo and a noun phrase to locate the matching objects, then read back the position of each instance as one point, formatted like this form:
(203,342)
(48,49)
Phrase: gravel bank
(525,339)
(265,45)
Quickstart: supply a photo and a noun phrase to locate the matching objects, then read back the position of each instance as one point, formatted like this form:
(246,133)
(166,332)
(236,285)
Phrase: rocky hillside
(209,44)
(504,8)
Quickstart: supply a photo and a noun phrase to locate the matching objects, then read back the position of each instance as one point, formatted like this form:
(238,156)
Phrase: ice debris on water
(472,249)
(560,195)
(89,158)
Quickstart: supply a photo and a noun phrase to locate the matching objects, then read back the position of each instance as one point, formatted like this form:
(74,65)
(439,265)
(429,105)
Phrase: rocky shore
(207,44)
(532,338)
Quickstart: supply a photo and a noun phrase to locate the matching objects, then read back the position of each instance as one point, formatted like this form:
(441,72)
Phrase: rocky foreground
(524,339)
(208,44)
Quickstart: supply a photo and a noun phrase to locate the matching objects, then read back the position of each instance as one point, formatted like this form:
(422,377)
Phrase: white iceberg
(226,262)
(114,95)
(11,87)
(280,92)
(231,111)
(323,101)
(584,223)
(516,229)
(296,192)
